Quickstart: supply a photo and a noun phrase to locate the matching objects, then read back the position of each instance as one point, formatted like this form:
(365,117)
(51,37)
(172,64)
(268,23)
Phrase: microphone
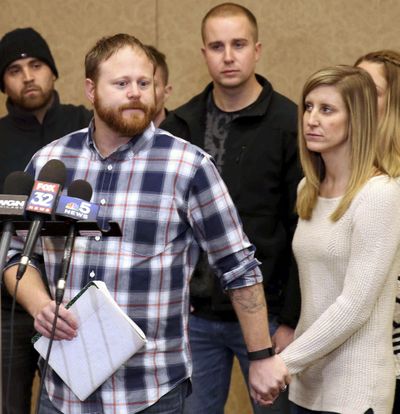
(75,206)
(19,184)
(41,202)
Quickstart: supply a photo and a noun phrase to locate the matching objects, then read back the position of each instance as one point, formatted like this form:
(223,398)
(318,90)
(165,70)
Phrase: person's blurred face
(377,73)
(325,121)
(162,90)
(123,95)
(29,83)
(230,50)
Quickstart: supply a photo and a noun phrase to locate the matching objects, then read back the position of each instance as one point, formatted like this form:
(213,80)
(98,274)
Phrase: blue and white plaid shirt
(168,198)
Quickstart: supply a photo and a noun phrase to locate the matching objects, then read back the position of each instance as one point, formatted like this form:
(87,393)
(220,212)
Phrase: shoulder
(4,120)
(182,120)
(71,145)
(166,140)
(198,102)
(381,185)
(68,144)
(279,111)
(283,104)
(76,110)
(193,107)
(76,116)
(381,193)
(283,110)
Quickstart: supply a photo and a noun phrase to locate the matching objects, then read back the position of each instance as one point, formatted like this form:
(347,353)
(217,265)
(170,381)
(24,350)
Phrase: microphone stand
(60,289)
(53,228)
(8,231)
(69,245)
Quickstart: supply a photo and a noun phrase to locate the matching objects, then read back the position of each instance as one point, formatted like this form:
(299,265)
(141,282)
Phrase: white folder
(106,339)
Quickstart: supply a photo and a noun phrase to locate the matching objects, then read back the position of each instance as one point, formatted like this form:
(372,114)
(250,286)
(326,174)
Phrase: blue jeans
(170,403)
(213,345)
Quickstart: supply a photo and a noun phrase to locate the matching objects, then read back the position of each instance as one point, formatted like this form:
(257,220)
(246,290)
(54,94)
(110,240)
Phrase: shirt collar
(128,150)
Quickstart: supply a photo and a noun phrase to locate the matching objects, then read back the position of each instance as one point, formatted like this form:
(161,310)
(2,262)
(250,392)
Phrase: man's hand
(66,327)
(267,378)
(283,336)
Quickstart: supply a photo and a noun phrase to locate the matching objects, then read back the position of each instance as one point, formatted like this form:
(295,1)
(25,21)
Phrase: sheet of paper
(106,339)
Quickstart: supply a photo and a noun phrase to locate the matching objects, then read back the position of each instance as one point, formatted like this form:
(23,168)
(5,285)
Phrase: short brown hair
(161,62)
(108,46)
(229,10)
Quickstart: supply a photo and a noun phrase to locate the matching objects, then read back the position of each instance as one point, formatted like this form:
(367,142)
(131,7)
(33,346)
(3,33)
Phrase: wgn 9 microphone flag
(41,203)
(17,187)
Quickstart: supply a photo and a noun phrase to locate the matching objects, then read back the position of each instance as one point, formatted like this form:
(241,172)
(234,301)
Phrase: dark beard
(114,119)
(34,103)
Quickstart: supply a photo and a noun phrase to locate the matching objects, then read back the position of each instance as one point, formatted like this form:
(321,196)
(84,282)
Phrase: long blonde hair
(359,96)
(388,152)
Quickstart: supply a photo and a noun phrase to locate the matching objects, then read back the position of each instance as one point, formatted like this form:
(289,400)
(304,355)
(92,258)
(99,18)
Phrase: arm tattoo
(249,299)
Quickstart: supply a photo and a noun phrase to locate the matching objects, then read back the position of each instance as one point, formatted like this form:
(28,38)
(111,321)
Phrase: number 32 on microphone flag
(43,197)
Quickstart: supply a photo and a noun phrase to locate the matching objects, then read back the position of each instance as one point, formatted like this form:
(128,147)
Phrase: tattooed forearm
(249,299)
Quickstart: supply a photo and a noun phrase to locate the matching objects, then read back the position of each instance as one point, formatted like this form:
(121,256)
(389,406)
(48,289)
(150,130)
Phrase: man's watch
(261,354)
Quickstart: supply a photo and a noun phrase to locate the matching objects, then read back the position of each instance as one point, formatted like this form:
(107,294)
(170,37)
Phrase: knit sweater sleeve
(375,236)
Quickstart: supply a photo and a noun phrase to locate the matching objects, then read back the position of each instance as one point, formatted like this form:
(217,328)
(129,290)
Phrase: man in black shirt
(35,118)
(251,132)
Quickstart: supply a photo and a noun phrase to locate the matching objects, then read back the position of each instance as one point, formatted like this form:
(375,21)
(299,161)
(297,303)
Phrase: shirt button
(103,201)
(97,238)
(109,167)
(92,274)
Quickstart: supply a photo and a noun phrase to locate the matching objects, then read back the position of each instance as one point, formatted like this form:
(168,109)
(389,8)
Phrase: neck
(107,140)
(159,117)
(236,98)
(40,113)
(337,176)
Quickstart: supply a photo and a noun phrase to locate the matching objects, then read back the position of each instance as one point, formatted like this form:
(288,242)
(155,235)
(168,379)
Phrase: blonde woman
(347,249)
(384,68)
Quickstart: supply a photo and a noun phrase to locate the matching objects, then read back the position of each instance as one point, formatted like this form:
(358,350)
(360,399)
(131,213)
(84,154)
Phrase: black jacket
(261,171)
(21,135)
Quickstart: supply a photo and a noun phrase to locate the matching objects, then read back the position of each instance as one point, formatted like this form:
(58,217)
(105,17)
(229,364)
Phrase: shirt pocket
(149,225)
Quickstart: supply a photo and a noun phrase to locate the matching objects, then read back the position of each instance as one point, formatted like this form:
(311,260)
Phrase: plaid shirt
(168,198)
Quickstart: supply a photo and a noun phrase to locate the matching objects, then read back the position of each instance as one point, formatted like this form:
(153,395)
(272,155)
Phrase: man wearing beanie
(35,118)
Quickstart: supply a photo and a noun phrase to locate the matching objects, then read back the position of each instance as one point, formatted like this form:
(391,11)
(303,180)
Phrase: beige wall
(298,37)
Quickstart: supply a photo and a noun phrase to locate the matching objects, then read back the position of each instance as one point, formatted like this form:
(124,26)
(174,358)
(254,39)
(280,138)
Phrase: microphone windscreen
(80,189)
(18,183)
(53,171)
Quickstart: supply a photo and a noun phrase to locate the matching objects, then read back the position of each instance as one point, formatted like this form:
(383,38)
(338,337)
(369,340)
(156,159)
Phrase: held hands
(66,327)
(267,378)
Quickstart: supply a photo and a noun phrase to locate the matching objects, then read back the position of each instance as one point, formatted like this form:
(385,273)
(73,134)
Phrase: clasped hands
(267,378)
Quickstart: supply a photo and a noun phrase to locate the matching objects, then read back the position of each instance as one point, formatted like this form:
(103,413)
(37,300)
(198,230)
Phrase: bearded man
(35,115)
(35,118)
(168,198)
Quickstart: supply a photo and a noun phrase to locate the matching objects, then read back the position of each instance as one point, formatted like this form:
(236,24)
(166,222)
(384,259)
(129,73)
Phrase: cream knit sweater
(343,355)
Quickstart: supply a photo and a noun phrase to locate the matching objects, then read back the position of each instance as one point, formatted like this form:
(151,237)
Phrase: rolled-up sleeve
(218,230)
